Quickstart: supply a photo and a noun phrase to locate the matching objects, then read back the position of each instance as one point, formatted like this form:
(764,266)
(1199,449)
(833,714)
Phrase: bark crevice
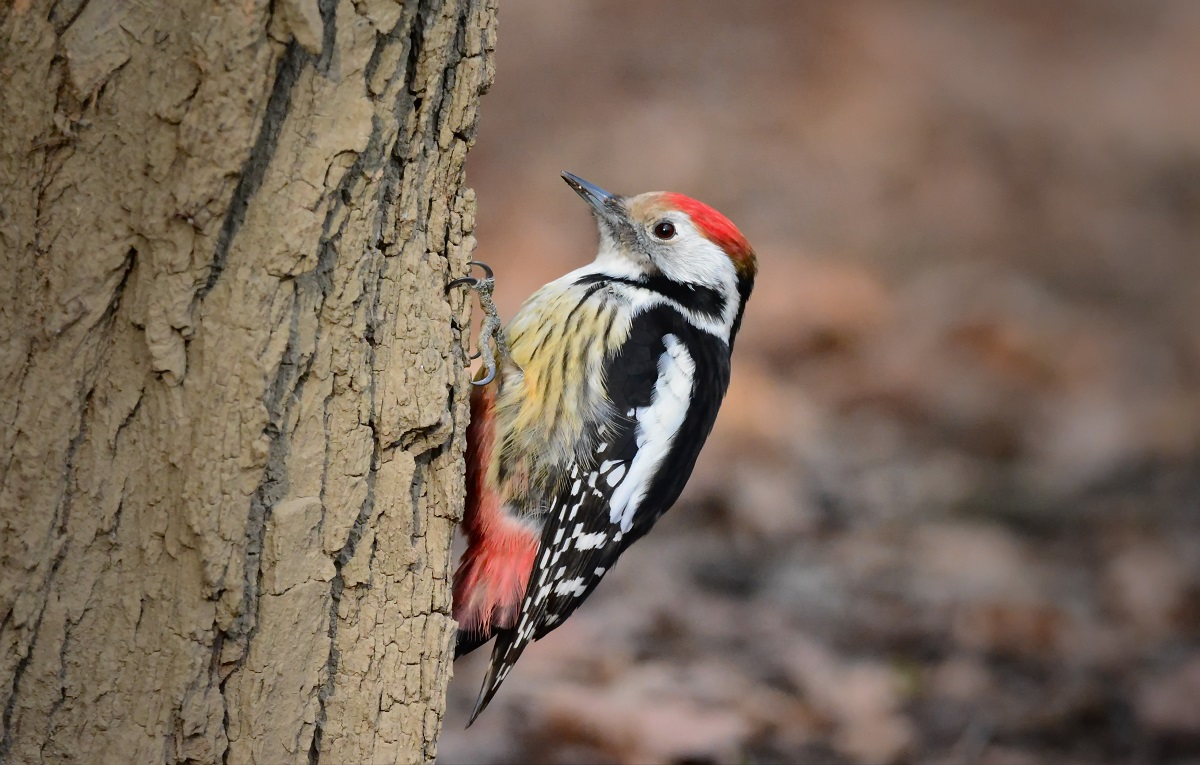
(287,71)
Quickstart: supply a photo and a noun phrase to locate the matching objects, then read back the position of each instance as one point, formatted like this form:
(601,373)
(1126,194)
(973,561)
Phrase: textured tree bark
(233,397)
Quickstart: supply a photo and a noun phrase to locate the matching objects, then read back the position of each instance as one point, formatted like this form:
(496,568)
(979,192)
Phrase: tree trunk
(231,425)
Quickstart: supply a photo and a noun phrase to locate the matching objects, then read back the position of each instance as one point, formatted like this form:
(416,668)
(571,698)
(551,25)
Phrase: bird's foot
(492,346)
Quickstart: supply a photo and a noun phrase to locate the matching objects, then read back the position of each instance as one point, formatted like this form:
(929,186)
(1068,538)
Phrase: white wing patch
(616,475)
(591,541)
(657,425)
(574,587)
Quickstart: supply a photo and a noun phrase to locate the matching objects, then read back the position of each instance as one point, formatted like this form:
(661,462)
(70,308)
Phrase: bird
(589,413)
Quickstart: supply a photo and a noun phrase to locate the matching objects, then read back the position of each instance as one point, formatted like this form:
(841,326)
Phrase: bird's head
(665,234)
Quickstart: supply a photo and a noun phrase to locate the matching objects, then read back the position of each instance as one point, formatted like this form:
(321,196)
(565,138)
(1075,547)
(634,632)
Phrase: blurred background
(951,509)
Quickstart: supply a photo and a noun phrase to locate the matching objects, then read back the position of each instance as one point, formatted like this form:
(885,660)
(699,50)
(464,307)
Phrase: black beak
(607,206)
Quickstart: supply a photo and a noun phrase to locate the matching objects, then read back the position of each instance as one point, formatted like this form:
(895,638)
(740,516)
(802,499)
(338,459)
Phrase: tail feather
(504,655)
(467,641)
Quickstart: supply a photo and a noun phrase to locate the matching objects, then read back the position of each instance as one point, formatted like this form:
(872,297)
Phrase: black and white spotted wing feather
(615,495)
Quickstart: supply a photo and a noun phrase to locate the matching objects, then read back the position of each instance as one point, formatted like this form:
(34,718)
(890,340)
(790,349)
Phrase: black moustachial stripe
(745,285)
(696,298)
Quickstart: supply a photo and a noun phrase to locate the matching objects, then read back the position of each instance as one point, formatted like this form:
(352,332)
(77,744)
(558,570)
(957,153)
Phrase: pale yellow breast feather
(554,397)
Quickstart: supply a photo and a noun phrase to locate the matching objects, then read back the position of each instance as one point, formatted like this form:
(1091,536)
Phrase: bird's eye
(664,229)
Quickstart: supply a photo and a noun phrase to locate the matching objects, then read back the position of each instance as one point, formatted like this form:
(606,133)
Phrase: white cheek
(693,259)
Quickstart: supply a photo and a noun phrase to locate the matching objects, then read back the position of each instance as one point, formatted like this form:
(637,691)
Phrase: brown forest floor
(951,509)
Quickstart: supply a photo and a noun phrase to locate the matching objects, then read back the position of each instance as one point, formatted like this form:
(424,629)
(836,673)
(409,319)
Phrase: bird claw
(490,332)
(487,282)
(463,281)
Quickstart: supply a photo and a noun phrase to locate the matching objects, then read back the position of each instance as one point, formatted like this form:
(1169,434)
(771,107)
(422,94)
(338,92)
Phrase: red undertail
(492,574)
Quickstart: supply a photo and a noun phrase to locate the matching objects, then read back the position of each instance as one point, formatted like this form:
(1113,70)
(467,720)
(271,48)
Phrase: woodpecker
(591,410)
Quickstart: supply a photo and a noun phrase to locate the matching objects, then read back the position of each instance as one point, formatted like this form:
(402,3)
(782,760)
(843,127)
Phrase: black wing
(665,385)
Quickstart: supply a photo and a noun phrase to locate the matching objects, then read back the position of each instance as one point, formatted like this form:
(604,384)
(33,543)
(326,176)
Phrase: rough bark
(233,396)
